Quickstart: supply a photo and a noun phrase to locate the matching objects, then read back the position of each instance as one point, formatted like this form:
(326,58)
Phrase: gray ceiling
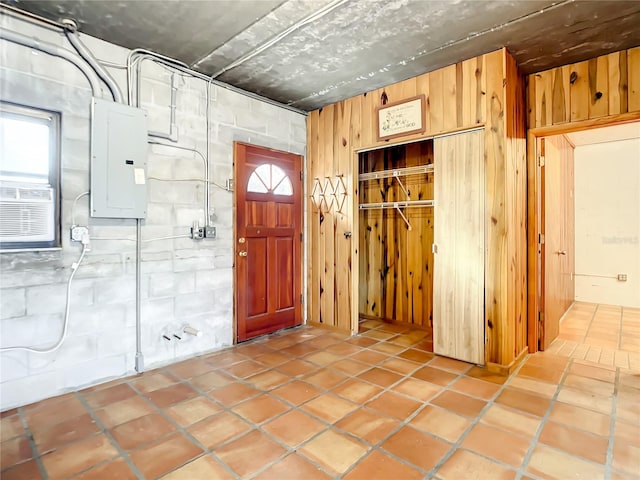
(351,46)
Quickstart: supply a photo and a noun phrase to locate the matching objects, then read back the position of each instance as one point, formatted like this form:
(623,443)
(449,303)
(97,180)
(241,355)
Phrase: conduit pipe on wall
(139,53)
(83,51)
(56,51)
(184,68)
(139,356)
(205,178)
(172,65)
(172,136)
(31,17)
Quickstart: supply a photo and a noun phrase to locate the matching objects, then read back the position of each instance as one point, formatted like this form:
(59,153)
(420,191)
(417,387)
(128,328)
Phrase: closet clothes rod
(396,172)
(401,204)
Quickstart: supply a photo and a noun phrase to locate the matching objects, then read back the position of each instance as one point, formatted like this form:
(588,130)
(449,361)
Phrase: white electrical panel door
(118,160)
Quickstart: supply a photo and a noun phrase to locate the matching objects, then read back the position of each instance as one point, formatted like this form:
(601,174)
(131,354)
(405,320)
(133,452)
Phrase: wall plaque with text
(401,118)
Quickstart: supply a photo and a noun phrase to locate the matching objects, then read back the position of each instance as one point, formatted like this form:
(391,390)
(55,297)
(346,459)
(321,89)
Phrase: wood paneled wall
(484,90)
(596,88)
(597,92)
(396,264)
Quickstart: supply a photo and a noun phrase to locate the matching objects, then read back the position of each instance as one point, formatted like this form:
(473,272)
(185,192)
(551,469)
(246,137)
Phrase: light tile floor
(312,404)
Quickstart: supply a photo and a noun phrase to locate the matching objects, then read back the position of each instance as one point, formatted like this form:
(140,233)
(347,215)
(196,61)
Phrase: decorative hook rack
(332,193)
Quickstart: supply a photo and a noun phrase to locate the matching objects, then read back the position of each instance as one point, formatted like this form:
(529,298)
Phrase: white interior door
(459,243)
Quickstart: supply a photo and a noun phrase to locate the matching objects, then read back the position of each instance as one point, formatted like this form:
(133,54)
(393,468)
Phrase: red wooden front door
(268,240)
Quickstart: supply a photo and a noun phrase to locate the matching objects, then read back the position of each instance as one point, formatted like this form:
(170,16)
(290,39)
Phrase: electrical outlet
(210,232)
(197,233)
(622,277)
(78,232)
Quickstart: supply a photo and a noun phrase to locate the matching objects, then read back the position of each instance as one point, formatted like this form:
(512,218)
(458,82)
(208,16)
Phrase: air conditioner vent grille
(26,214)
(26,219)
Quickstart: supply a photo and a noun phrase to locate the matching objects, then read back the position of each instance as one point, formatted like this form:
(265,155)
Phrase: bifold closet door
(458,286)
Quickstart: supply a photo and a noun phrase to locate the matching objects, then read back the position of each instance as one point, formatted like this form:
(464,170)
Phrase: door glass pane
(284,187)
(264,172)
(270,178)
(277,174)
(256,185)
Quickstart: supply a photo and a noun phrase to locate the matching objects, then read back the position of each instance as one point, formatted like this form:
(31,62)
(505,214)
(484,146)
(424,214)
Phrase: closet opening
(396,237)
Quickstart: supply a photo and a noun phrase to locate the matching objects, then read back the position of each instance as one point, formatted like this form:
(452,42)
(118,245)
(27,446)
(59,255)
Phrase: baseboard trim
(506,370)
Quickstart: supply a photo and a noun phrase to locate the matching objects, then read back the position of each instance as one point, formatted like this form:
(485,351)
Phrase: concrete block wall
(184,281)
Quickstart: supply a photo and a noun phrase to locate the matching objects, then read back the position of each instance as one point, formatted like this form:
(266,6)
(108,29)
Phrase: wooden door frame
(534,266)
(303,267)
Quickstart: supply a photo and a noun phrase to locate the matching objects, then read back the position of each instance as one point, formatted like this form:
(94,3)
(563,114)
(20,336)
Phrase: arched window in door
(269,178)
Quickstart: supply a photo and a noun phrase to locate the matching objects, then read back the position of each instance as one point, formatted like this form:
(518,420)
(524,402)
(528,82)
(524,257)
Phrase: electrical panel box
(118,160)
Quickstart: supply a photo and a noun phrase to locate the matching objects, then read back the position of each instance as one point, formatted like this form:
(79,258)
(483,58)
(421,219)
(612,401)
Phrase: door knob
(562,252)
(242,253)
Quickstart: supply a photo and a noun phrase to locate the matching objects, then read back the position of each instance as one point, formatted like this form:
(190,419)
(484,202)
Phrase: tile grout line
(535,441)
(32,443)
(225,408)
(620,331)
(323,391)
(475,421)
(257,426)
(355,377)
(586,333)
(401,424)
(425,403)
(329,391)
(184,431)
(113,441)
(608,467)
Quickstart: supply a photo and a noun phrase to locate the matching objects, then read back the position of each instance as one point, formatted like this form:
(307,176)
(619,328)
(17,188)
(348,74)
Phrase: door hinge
(301,236)
(541,161)
(541,238)
(301,176)
(301,300)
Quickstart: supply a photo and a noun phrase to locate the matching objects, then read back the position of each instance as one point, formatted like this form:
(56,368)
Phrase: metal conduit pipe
(139,360)
(83,51)
(206,174)
(30,17)
(183,68)
(140,52)
(55,51)
(172,136)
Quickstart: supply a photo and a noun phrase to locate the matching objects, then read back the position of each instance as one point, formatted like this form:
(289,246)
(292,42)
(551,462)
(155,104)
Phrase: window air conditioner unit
(26,214)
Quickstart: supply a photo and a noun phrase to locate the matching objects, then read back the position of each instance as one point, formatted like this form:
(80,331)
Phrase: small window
(29,177)
(269,178)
